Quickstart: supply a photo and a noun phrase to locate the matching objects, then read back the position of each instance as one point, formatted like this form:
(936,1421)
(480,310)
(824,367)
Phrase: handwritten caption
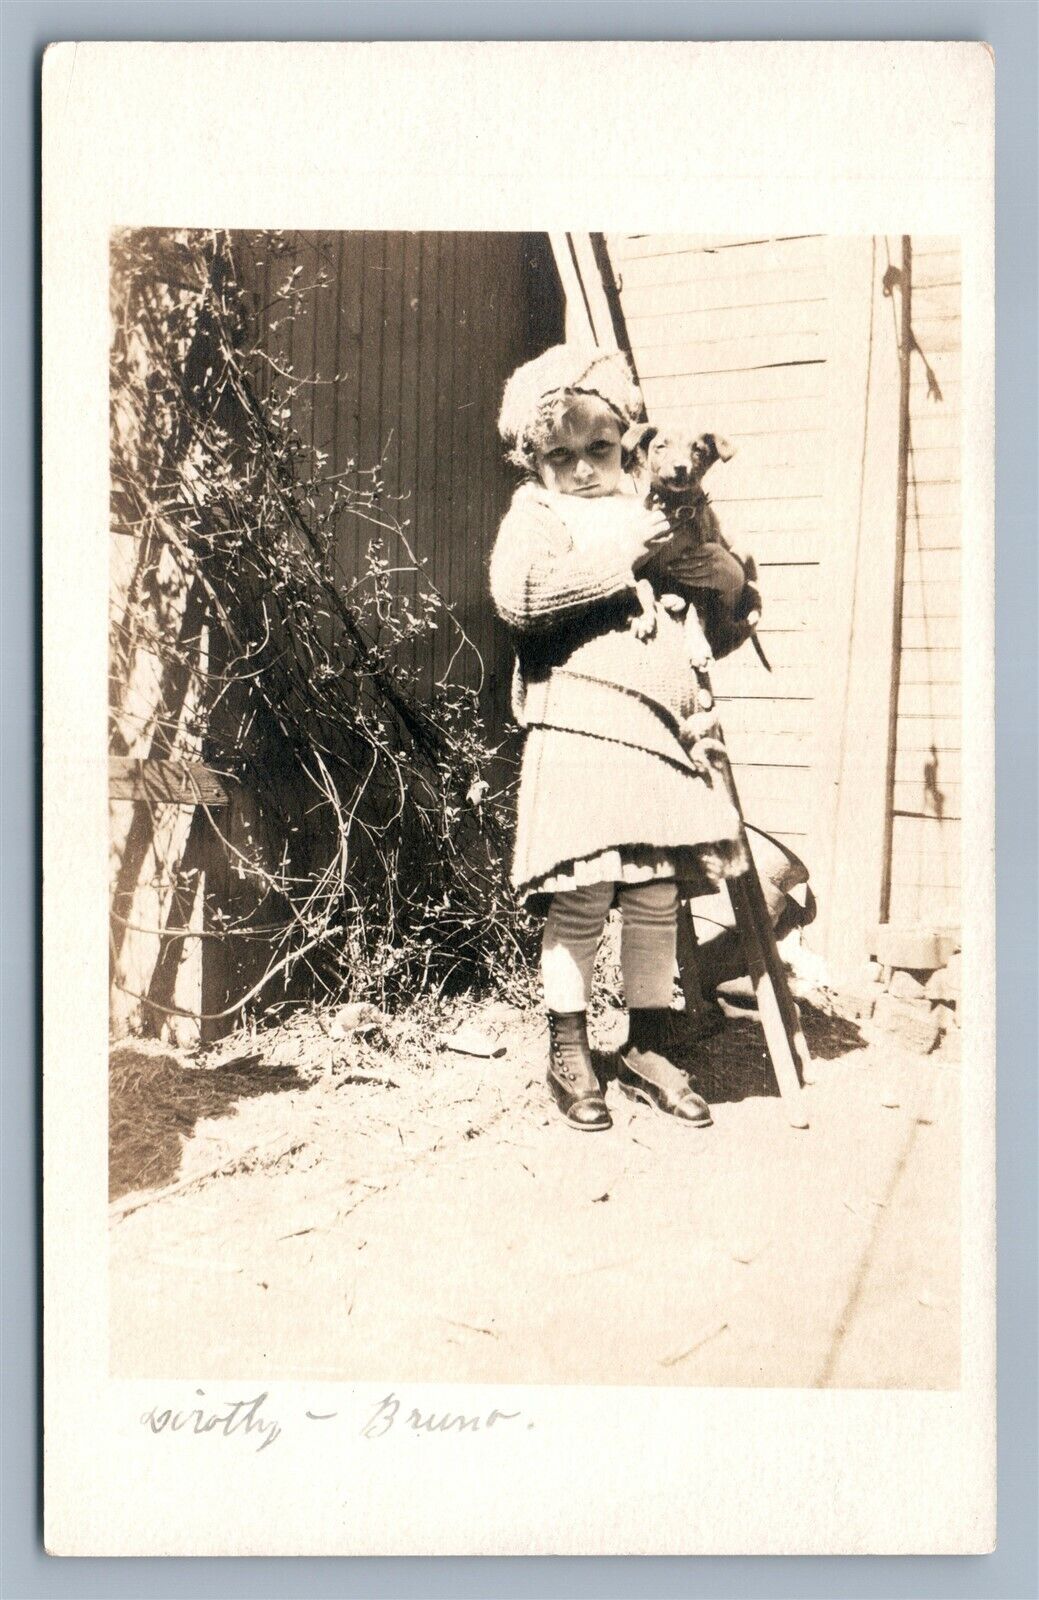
(252,1419)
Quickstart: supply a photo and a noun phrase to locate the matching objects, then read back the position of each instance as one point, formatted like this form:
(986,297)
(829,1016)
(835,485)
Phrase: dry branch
(368,851)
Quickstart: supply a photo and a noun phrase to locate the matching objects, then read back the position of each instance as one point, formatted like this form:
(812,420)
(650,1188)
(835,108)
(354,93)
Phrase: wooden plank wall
(406,355)
(747,337)
(732,336)
(925,856)
(159,850)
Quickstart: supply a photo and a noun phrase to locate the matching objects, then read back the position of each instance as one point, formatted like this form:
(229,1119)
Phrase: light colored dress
(607,790)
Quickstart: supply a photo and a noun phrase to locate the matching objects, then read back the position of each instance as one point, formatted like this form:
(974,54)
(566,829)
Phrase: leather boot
(572,1078)
(649,1072)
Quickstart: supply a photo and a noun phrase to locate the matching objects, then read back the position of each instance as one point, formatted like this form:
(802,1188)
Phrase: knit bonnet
(538,392)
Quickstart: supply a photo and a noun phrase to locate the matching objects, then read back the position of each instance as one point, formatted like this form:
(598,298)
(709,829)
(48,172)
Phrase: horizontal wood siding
(927,800)
(772,342)
(733,336)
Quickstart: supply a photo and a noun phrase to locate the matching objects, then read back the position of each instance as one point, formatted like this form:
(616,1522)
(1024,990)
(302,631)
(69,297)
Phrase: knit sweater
(569,602)
(603,765)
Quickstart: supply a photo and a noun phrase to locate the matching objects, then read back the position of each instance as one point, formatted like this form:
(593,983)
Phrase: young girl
(610,806)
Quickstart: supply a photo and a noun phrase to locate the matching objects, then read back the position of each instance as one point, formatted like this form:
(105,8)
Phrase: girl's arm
(539,580)
(723,583)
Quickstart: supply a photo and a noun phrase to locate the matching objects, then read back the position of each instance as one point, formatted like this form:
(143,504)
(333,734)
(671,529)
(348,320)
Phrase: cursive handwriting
(388,1412)
(246,1419)
(237,1416)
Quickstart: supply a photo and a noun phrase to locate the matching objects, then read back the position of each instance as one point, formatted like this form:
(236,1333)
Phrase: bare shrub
(372,859)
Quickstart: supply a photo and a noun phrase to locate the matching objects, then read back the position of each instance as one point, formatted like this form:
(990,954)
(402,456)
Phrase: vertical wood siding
(732,336)
(403,355)
(407,352)
(927,807)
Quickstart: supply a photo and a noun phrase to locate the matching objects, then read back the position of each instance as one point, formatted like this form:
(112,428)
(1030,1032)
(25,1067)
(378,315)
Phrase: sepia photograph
(518,799)
(535,713)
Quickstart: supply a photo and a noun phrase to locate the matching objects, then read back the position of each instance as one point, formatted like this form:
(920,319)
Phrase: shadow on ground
(827,1035)
(154,1102)
(737,1066)
(156,1099)
(734,1064)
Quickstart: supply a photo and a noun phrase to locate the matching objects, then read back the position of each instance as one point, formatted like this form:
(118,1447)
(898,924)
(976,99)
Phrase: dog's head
(672,457)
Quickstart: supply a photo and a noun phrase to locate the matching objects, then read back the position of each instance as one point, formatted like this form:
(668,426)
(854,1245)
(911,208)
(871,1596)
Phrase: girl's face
(582,453)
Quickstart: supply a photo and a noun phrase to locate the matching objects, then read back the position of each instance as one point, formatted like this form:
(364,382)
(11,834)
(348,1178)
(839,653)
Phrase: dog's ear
(720,449)
(637,437)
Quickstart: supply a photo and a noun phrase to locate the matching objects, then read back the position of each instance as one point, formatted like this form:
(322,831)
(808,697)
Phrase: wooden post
(905,356)
(588,313)
(780,1022)
(589,270)
(779,1017)
(688,971)
(150,960)
(858,574)
(578,313)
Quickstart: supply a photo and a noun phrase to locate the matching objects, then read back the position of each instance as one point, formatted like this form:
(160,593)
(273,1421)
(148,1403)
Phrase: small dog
(672,465)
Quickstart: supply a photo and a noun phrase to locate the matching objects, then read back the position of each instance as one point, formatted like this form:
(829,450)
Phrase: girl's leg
(571,938)
(651,1072)
(649,932)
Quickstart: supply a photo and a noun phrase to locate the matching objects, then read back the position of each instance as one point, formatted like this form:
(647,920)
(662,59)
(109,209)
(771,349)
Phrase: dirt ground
(352,1200)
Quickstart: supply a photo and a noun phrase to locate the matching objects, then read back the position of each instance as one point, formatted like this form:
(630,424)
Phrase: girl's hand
(650,533)
(710,567)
